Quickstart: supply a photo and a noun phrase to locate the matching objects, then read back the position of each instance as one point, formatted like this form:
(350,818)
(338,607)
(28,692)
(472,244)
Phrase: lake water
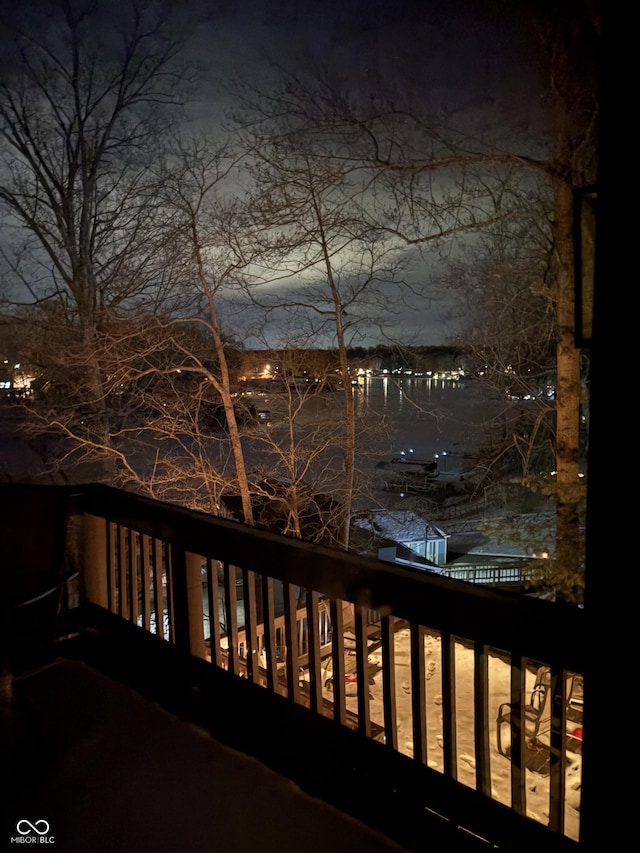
(425,418)
(411,417)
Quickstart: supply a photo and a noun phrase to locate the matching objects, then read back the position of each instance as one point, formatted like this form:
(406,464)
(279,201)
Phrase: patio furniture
(536,715)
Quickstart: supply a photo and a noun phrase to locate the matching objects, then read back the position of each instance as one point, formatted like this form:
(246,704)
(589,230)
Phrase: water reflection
(430,416)
(435,419)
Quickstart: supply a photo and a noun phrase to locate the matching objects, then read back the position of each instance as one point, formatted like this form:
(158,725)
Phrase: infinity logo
(40,826)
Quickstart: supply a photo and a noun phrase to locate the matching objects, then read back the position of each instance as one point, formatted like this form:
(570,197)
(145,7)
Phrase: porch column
(94,560)
(186,599)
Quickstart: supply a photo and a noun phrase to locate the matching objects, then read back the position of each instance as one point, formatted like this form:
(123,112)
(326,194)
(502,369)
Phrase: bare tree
(173,433)
(84,106)
(342,229)
(310,212)
(507,331)
(570,42)
(414,161)
(298,442)
(209,232)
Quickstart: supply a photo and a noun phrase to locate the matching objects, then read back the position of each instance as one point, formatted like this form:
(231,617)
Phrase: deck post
(193,565)
(186,608)
(94,560)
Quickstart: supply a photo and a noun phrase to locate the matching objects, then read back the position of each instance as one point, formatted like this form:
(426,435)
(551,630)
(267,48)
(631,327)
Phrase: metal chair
(536,714)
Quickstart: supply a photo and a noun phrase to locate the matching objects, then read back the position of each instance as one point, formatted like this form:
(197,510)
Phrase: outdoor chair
(573,691)
(575,700)
(536,715)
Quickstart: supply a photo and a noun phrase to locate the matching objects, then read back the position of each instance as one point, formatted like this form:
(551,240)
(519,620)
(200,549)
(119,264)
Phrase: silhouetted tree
(85,104)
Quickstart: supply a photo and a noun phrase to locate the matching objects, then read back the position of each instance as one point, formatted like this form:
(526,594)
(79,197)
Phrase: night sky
(475,58)
(472,63)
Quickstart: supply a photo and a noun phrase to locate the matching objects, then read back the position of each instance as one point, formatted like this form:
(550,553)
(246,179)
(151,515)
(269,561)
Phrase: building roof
(401,526)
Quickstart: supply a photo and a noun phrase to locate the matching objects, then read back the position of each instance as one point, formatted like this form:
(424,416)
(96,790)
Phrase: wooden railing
(295,619)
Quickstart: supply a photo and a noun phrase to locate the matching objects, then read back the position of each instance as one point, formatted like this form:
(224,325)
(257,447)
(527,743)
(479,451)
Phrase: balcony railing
(412,668)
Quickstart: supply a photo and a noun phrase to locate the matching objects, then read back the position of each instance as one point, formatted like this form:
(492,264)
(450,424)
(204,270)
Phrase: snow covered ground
(537,783)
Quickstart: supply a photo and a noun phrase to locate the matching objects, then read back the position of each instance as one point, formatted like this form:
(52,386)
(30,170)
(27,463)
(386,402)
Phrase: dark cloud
(474,61)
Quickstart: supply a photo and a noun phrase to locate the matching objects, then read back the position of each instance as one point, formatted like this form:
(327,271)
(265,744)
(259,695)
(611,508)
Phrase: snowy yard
(537,783)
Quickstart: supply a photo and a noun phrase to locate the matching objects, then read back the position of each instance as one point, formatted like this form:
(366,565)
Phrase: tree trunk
(568,388)
(350,425)
(223,386)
